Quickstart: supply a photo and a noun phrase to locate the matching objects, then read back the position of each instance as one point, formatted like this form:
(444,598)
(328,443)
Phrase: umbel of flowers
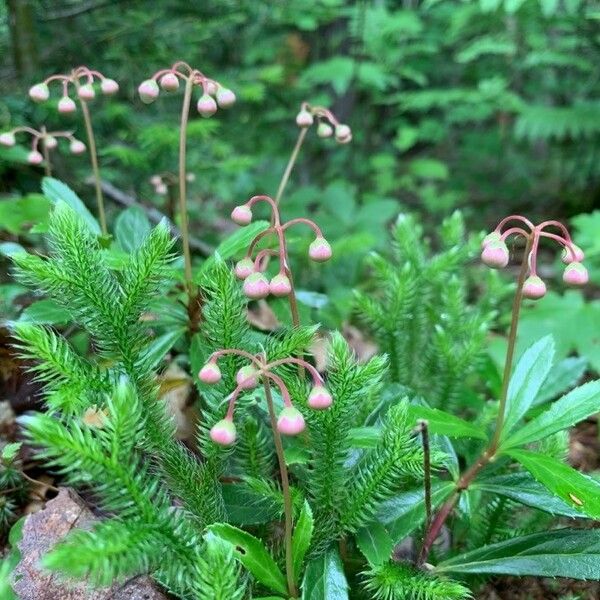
(495,252)
(327,123)
(290,420)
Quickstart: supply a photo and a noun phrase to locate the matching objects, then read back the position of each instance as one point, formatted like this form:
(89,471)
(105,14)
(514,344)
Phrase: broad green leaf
(251,552)
(572,408)
(233,245)
(375,543)
(576,489)
(158,348)
(523,488)
(246,506)
(45,312)
(303,530)
(131,228)
(17,215)
(324,578)
(57,191)
(573,553)
(428,168)
(562,377)
(444,423)
(364,437)
(526,381)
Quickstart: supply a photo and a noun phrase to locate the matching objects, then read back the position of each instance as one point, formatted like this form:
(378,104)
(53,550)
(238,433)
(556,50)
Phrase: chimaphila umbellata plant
(48,140)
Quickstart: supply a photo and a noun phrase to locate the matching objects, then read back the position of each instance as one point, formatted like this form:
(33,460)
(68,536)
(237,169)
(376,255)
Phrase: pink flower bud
(169,82)
(567,255)
(148,91)
(534,288)
(77,147)
(109,87)
(304,119)
(343,134)
(256,286)
(86,92)
(210,373)
(242,215)
(190,177)
(50,142)
(324,130)
(280,285)
(211,88)
(39,92)
(576,274)
(244,268)
(495,255)
(225,97)
(7,139)
(155,180)
(161,189)
(494,236)
(206,106)
(319,250)
(290,421)
(35,158)
(319,398)
(246,377)
(223,432)
(66,105)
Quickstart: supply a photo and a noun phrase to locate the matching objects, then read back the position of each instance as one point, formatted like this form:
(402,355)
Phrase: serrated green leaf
(158,348)
(576,489)
(572,408)
(445,423)
(324,578)
(131,228)
(57,191)
(375,543)
(573,553)
(562,377)
(303,530)
(245,506)
(251,552)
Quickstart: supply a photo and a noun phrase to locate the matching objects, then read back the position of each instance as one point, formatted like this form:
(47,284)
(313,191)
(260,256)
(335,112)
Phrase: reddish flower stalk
(48,140)
(214,96)
(82,79)
(495,254)
(256,285)
(289,422)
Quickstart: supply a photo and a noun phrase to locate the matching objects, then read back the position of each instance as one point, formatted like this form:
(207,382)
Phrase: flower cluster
(327,126)
(495,251)
(290,420)
(48,139)
(161,181)
(256,285)
(214,95)
(82,79)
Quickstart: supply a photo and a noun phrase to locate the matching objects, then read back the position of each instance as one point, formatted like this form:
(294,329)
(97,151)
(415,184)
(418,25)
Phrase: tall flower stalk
(213,96)
(82,80)
(495,254)
(44,139)
(289,421)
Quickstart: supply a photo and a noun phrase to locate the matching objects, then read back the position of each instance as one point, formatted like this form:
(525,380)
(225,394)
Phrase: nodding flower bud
(35,158)
(210,373)
(7,139)
(324,130)
(225,97)
(534,288)
(319,250)
(211,88)
(576,274)
(247,377)
(86,92)
(244,268)
(242,215)
(161,189)
(50,142)
(304,118)
(206,106)
(495,254)
(39,92)
(77,147)
(343,134)
(66,105)
(155,180)
(280,285)
(574,255)
(223,432)
(169,82)
(494,236)
(319,398)
(256,286)
(109,87)
(148,91)
(290,421)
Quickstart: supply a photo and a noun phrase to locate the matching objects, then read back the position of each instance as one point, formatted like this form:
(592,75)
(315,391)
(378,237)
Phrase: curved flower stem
(183,217)
(47,165)
(285,487)
(489,453)
(284,264)
(291,162)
